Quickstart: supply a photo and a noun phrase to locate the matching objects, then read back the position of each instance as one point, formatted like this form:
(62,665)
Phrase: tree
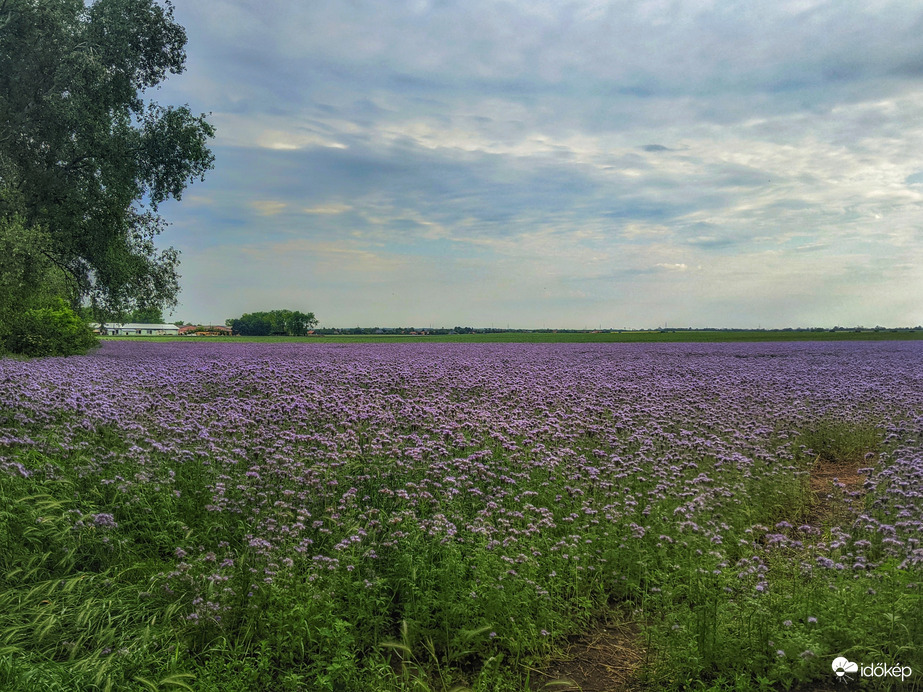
(278,322)
(251,324)
(147,316)
(33,318)
(84,159)
(26,275)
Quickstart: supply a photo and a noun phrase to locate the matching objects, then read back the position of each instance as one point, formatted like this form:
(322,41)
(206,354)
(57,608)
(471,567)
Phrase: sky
(555,163)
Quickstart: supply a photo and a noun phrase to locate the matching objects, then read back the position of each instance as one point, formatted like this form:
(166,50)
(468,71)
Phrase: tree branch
(8,17)
(70,275)
(76,162)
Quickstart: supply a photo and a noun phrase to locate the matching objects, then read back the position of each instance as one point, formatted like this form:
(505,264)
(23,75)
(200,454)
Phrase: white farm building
(136,329)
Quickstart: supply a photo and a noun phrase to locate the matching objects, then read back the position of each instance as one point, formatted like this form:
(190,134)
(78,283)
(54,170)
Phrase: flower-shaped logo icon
(841,666)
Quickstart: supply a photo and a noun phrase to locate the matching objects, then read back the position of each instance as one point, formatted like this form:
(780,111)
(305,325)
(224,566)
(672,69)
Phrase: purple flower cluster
(553,458)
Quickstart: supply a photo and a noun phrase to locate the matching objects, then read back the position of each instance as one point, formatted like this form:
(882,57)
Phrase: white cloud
(268,207)
(326,209)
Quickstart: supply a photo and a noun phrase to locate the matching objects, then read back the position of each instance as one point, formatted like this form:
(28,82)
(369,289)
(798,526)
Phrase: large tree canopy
(84,158)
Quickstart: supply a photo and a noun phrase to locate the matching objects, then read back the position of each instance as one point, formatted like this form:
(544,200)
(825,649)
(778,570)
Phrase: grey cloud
(486,188)
(518,53)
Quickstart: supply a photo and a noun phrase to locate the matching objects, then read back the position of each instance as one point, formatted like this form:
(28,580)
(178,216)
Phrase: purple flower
(104,520)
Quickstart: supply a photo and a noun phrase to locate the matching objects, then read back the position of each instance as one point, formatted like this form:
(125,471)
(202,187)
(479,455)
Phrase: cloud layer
(562,164)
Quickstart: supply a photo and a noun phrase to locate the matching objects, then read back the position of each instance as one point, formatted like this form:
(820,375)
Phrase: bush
(49,331)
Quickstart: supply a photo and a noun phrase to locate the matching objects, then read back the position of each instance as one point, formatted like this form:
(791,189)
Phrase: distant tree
(251,324)
(291,322)
(278,322)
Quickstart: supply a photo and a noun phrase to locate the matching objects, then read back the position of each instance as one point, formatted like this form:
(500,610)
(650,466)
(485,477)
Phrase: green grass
(836,441)
(666,336)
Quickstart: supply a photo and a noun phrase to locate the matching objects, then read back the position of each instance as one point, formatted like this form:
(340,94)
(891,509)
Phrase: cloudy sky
(559,163)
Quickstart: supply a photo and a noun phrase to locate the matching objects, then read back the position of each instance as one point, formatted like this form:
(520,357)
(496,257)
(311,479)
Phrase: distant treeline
(366,331)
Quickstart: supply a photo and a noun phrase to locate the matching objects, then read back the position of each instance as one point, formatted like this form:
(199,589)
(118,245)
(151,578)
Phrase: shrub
(55,330)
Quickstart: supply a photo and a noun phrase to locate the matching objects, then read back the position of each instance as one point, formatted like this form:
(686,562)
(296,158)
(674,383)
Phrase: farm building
(135,329)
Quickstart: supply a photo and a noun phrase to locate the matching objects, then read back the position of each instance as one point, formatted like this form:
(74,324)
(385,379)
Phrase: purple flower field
(445,483)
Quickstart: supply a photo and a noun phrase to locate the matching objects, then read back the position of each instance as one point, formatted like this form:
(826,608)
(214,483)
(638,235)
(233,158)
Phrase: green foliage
(26,275)
(147,315)
(84,603)
(48,331)
(273,323)
(786,636)
(837,441)
(78,605)
(80,149)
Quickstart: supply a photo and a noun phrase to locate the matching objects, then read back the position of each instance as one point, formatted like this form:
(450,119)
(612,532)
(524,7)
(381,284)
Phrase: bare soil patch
(608,658)
(829,503)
